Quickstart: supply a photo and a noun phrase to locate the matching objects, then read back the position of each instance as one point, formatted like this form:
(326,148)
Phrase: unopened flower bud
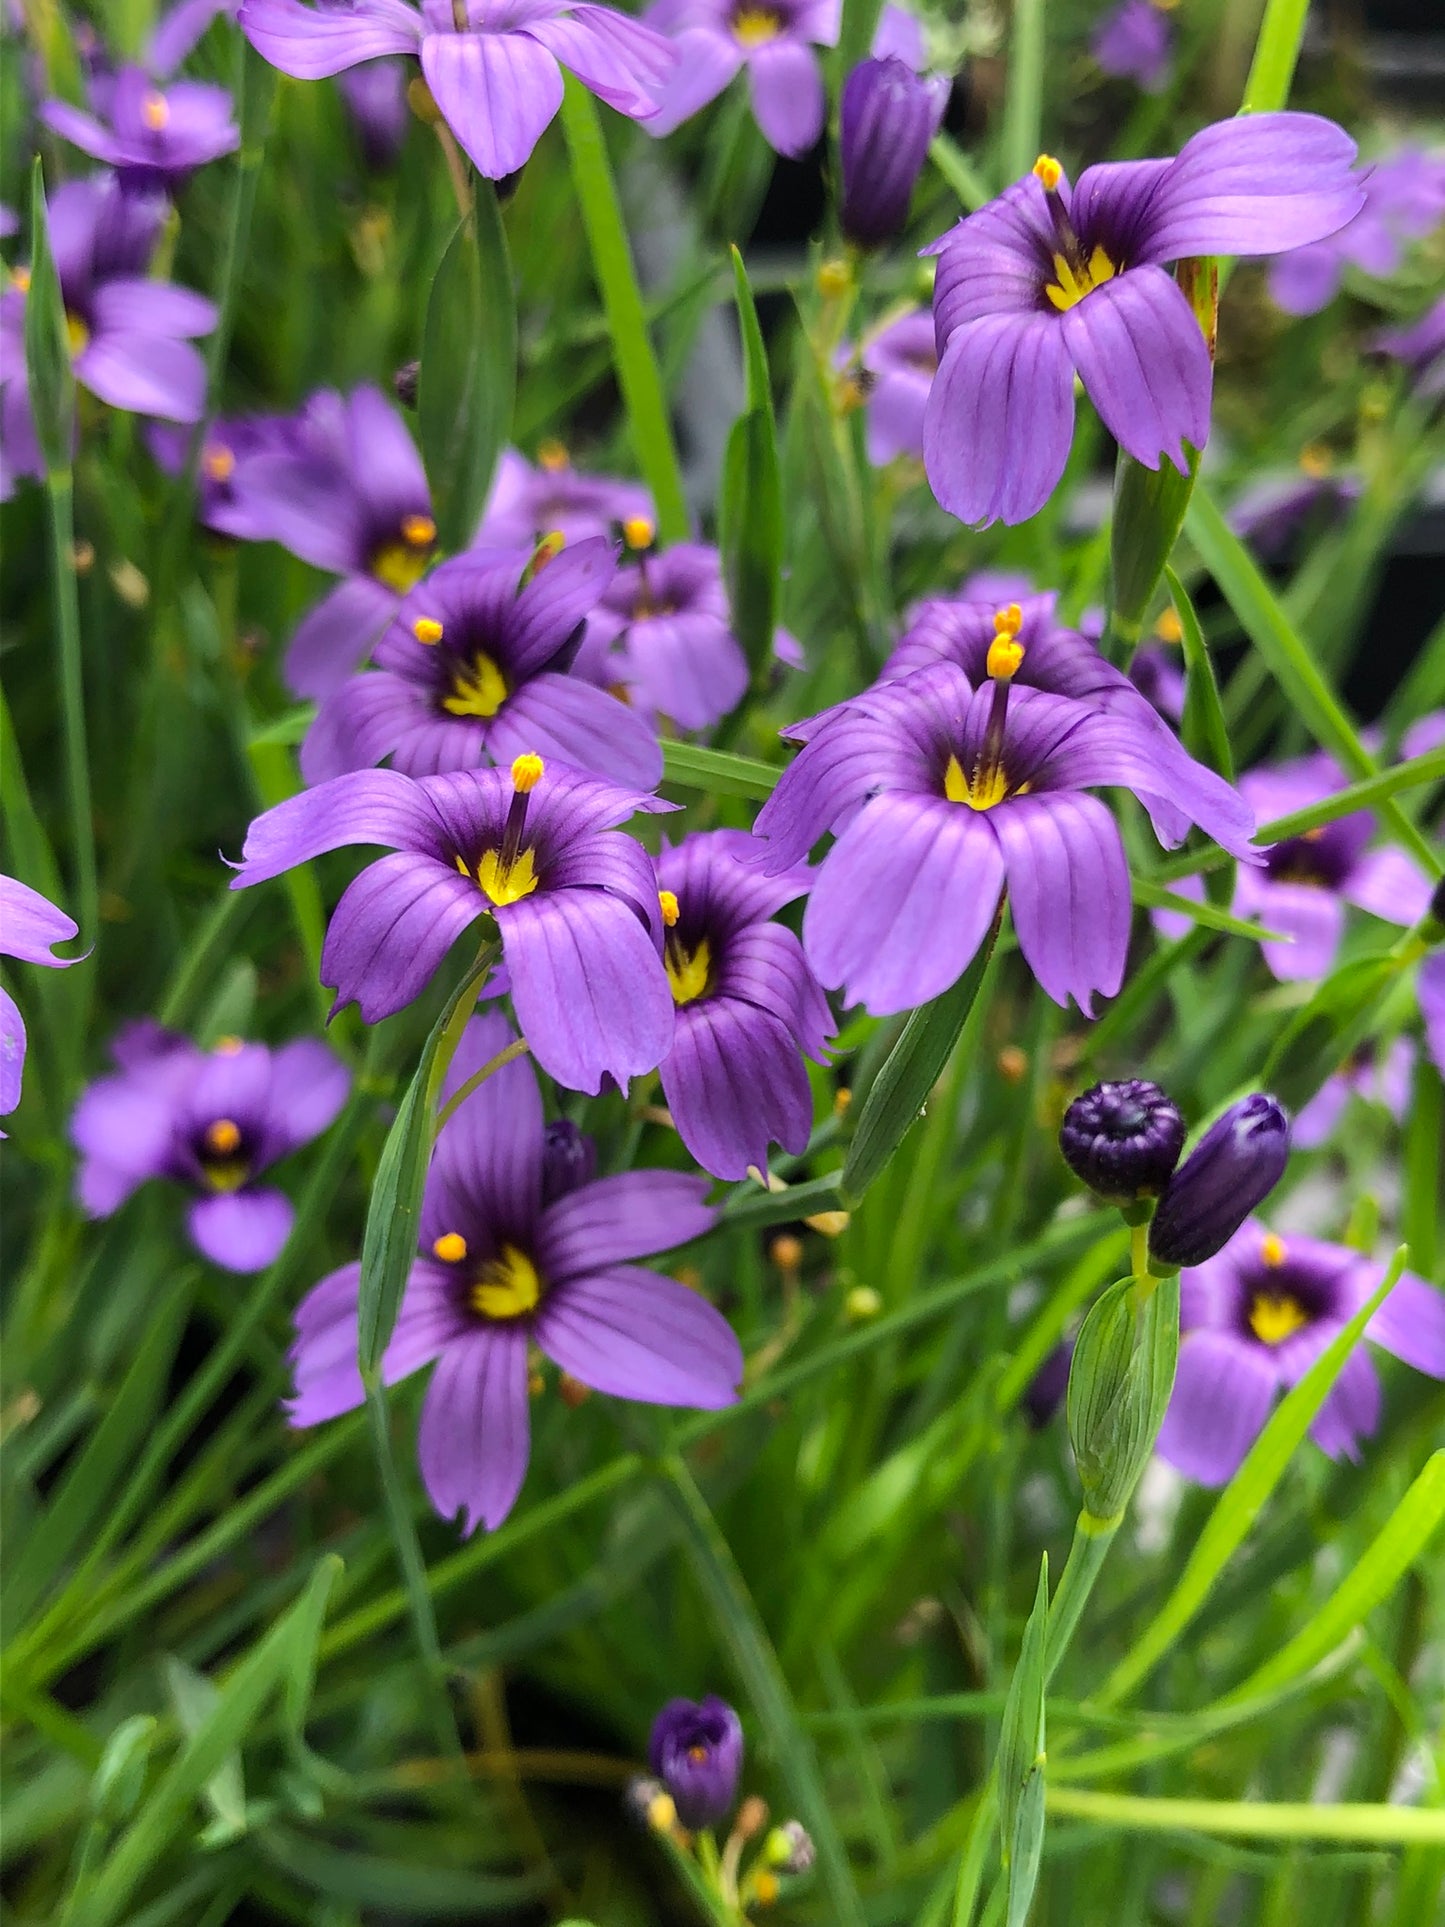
(697,1751)
(888,115)
(405,382)
(1229,1174)
(1123,1140)
(752,1817)
(789,1848)
(569,1160)
(861,1304)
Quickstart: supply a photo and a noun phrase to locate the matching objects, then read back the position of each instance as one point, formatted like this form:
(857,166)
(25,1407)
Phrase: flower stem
(60,500)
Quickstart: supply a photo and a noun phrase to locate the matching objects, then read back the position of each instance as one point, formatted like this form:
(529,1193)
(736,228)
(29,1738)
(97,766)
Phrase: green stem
(1255,1820)
(636,364)
(1092,1540)
(493,1064)
(1275,54)
(1023,109)
(60,499)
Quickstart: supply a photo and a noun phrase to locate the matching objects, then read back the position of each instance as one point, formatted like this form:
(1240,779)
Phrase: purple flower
(1046,1389)
(1256,1317)
(154,137)
(30,926)
(696,1750)
(1273,510)
(888,115)
(1123,1140)
(226,500)
(130,337)
(773,39)
(1421,347)
(749,1009)
(1157,675)
(1378,1077)
(901,362)
(375,96)
(503,1267)
(498,81)
(1404,198)
(474,670)
(1233,1168)
(940,793)
(527,503)
(536,850)
(1133,42)
(212,1121)
(1046,280)
(663,632)
(181,30)
(1430,989)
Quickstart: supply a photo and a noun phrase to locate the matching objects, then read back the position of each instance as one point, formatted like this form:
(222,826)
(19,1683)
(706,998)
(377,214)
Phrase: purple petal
(1311,918)
(337,635)
(311,43)
(496,91)
(633,1334)
(145,375)
(1306,279)
(543,615)
(902,902)
(1000,418)
(734,1081)
(30,924)
(308,1086)
(1351,1410)
(896,410)
(788,98)
(565,720)
(994,262)
(12,1053)
(862,750)
(1068,886)
(180,30)
(616,1219)
(323,1356)
(765,966)
(588,987)
(1145,364)
(151,307)
(488,1162)
(367,806)
(622,61)
(392,928)
(687,667)
(475,1433)
(1222,1393)
(124,1129)
(1390,885)
(1411,1324)
(706,62)
(82,130)
(241,1230)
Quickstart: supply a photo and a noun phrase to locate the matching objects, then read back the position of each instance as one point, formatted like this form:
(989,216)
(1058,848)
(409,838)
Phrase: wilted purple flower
(1256,1317)
(887,116)
(749,1009)
(1232,1169)
(1123,1139)
(375,96)
(1421,347)
(696,1750)
(130,337)
(663,632)
(939,793)
(535,849)
(1046,280)
(154,136)
(1133,42)
(1380,1077)
(497,80)
(30,926)
(212,1121)
(474,669)
(1270,512)
(773,39)
(1404,199)
(901,362)
(503,1267)
(527,503)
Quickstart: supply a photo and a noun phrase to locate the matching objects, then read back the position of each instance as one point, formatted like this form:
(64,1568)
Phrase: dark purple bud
(405,383)
(889,114)
(1046,1389)
(696,1751)
(1123,1140)
(569,1159)
(1229,1173)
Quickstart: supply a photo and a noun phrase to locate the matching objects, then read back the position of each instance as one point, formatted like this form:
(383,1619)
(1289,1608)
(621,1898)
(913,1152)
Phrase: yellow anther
(662,1812)
(155,110)
(1048,170)
(552,455)
(1072,283)
(1274,1319)
(786,1252)
(755,26)
(765,1886)
(697,1754)
(478,689)
(223,1137)
(638,532)
(228,1046)
(1272,1250)
(667,902)
(1316,461)
(20,280)
(1005,657)
(1169,628)
(842,1101)
(418,531)
(1008,620)
(527,773)
(505,885)
(427,629)
(450,1247)
(509,1286)
(688,972)
(980,792)
(218,462)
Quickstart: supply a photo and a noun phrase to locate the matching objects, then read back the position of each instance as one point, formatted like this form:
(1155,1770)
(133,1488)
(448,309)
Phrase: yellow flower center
(402,564)
(76,334)
(218,462)
(755,26)
(1316,461)
(687,971)
(1074,282)
(427,630)
(507,1287)
(638,532)
(1272,1250)
(223,1170)
(505,882)
(155,111)
(223,1136)
(980,791)
(1276,1316)
(552,455)
(478,690)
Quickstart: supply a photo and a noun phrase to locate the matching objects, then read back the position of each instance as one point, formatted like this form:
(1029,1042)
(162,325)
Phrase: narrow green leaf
(1320,1036)
(1027,1849)
(912,1068)
(1021,1734)
(195,1700)
(1239,1504)
(1255,1819)
(47,349)
(1281,34)
(1205,732)
(1389,1556)
(750,502)
(749,1208)
(120,1776)
(1149,508)
(468,381)
(1023,112)
(717,772)
(1152,896)
(860,22)
(632,354)
(1423,1192)
(959,172)
(409,1885)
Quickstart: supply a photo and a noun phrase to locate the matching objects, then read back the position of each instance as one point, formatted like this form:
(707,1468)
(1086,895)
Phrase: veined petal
(145,374)
(1411,1323)
(367,718)
(688,667)
(734,1082)
(1068,888)
(1222,1393)
(633,1334)
(560,717)
(311,43)
(833,774)
(1137,345)
(706,62)
(620,60)
(241,1230)
(367,806)
(488,1161)
(475,1433)
(543,614)
(12,1056)
(789,101)
(996,261)
(336,636)
(323,1356)
(614,1220)
(30,924)
(496,91)
(765,966)
(999,418)
(392,927)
